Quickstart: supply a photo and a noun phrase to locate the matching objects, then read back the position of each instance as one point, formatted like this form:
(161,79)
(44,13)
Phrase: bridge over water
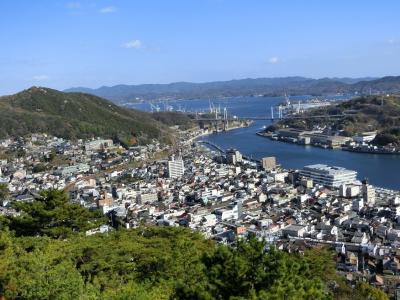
(267,118)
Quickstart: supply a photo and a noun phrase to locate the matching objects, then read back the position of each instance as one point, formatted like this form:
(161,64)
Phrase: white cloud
(274,60)
(108,10)
(73,5)
(40,77)
(134,44)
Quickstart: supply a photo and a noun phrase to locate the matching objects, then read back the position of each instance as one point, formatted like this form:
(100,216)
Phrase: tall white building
(175,168)
(329,176)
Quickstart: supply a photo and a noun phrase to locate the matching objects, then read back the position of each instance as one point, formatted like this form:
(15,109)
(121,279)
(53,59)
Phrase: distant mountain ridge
(75,115)
(243,87)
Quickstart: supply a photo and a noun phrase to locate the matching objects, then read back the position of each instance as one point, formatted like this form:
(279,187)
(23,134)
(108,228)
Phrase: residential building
(233,156)
(98,144)
(149,197)
(368,193)
(72,170)
(176,168)
(269,163)
(294,230)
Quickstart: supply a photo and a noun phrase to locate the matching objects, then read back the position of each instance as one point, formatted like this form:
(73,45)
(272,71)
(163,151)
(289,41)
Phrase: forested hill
(75,115)
(245,87)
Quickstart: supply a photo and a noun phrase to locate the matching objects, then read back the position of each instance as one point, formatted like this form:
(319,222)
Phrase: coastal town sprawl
(222,195)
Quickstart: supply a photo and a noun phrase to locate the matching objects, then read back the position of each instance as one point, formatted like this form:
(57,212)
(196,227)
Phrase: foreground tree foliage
(247,271)
(152,263)
(52,215)
(3,191)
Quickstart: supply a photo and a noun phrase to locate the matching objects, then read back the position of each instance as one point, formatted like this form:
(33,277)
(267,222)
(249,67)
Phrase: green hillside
(172,118)
(75,115)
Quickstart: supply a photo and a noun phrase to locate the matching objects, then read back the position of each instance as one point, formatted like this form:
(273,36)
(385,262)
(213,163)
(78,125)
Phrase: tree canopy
(52,215)
(3,191)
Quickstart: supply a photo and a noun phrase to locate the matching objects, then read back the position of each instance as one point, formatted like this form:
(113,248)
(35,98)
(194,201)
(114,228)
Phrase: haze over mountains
(245,87)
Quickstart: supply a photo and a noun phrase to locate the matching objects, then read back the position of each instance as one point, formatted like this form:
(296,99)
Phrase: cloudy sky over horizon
(62,44)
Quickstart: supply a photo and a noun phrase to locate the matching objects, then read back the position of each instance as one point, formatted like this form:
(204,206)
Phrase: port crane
(154,108)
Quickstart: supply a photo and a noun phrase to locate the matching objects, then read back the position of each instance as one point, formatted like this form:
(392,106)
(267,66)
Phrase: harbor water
(381,170)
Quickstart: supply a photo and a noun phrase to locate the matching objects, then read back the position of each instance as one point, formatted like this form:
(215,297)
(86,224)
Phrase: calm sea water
(381,170)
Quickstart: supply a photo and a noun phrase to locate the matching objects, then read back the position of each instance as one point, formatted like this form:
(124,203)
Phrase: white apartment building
(328,175)
(175,168)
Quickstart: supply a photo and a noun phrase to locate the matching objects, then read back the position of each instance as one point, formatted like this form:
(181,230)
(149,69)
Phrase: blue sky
(61,44)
